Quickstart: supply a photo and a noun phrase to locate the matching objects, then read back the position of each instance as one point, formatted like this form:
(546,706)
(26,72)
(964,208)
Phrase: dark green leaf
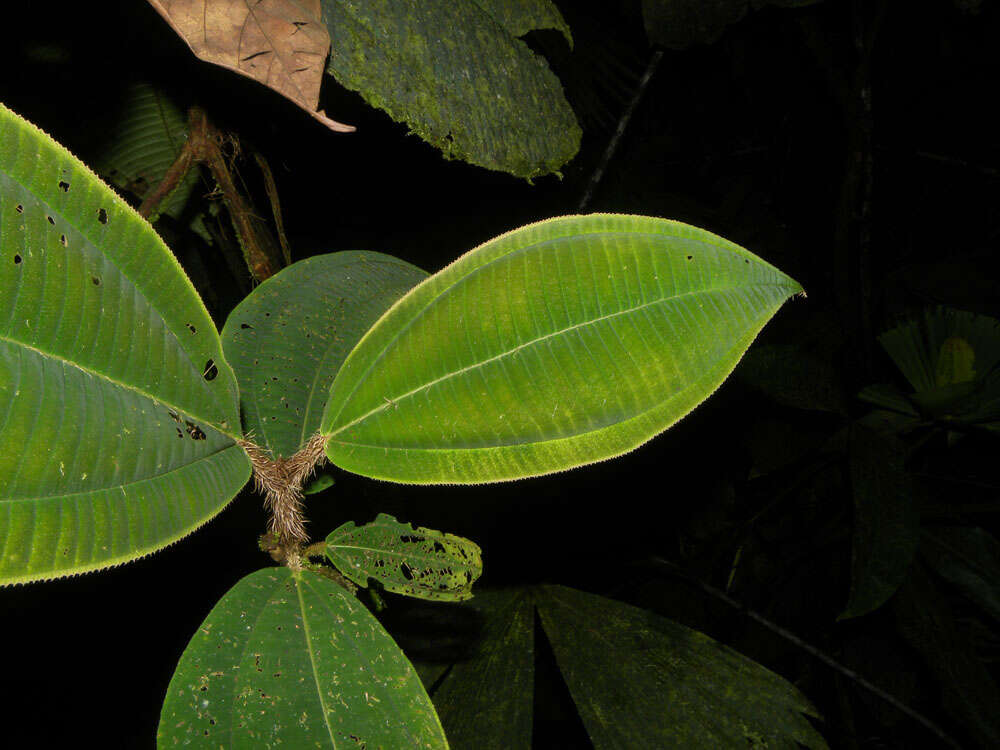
(969,559)
(456,73)
(886,524)
(486,702)
(287,340)
(970,694)
(642,681)
(290,658)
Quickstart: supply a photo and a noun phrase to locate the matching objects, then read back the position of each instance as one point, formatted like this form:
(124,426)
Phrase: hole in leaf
(51,220)
(19,208)
(690,257)
(102,216)
(95,280)
(211,371)
(246,325)
(17,259)
(191,328)
(63,240)
(64,186)
(406,571)
(180,434)
(194,431)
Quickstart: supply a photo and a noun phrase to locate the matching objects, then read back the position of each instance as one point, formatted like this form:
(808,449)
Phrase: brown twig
(272,195)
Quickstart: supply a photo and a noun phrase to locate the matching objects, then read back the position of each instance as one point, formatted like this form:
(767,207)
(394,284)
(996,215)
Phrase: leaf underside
(638,680)
(287,340)
(459,77)
(417,562)
(292,658)
(562,343)
(118,414)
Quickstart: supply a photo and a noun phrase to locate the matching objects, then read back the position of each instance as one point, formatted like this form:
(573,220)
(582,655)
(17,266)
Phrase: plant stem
(280,480)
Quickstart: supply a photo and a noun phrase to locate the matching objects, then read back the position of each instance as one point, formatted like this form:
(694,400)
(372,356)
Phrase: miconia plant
(562,343)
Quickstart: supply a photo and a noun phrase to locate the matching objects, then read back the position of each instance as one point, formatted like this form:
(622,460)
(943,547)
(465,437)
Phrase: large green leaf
(486,702)
(886,524)
(291,658)
(642,681)
(287,340)
(457,74)
(118,413)
(638,680)
(561,343)
(418,562)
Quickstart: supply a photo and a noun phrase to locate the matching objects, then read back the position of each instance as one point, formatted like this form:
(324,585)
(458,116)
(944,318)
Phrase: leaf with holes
(287,340)
(641,680)
(289,657)
(457,73)
(118,414)
(417,562)
(561,343)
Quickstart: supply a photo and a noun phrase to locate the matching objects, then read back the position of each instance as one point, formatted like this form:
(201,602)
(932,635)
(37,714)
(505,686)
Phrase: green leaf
(969,692)
(287,340)
(455,72)
(118,413)
(291,658)
(642,681)
(319,483)
(417,562)
(678,24)
(969,559)
(486,702)
(562,343)
(886,524)
(146,138)
(952,359)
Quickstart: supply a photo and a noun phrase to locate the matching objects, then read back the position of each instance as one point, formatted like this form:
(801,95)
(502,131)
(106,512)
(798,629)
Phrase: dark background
(760,137)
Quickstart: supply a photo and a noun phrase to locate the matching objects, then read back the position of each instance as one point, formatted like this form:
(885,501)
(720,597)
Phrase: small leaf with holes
(291,658)
(119,414)
(417,562)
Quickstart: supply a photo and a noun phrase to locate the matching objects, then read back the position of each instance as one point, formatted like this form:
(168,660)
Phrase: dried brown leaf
(280,43)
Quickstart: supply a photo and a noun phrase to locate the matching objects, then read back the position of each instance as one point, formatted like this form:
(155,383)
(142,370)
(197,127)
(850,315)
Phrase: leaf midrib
(394,400)
(124,386)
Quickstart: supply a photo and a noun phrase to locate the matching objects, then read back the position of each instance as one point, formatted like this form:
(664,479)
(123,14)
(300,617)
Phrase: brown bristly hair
(280,480)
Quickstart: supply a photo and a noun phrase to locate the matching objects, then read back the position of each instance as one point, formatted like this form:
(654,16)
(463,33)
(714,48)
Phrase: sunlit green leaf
(292,659)
(561,343)
(287,340)
(457,74)
(642,681)
(119,413)
(886,524)
(416,562)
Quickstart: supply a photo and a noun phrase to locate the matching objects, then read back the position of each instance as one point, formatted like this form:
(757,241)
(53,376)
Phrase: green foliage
(289,657)
(418,562)
(886,524)
(559,344)
(121,413)
(456,73)
(638,680)
(287,339)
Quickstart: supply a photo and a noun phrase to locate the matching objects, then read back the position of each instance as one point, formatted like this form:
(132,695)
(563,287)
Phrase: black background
(747,137)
